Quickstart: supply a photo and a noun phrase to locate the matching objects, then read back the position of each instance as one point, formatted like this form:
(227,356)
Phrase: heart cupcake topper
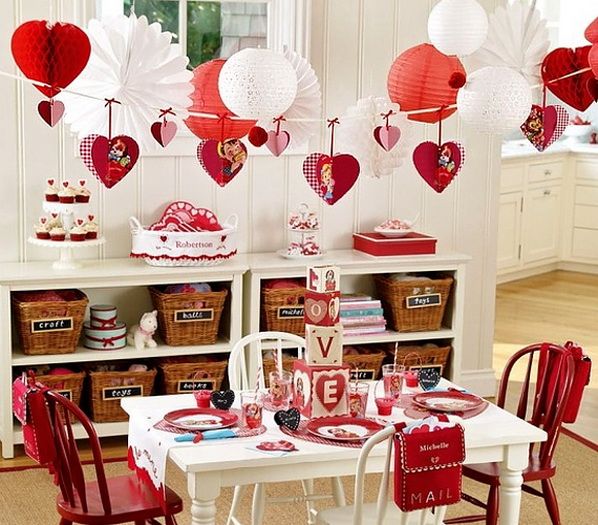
(50,182)
(545,125)
(82,182)
(165,130)
(90,218)
(80,222)
(222,160)
(65,183)
(43,220)
(387,136)
(331,176)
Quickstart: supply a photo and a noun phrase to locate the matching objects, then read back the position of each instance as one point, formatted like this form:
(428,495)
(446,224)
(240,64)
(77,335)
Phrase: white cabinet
(541,224)
(509,230)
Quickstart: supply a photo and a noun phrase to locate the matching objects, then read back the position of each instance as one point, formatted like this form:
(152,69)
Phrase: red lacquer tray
(199,419)
(343,428)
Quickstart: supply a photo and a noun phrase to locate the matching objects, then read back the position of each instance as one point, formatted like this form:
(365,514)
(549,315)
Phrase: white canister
(105,338)
(102,316)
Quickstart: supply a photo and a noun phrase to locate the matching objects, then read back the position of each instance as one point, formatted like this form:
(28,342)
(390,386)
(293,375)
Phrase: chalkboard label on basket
(118,392)
(428,376)
(66,393)
(290,312)
(189,385)
(423,301)
(189,316)
(363,375)
(58,324)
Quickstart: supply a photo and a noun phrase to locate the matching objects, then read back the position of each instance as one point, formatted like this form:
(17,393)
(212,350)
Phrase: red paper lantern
(422,77)
(591,35)
(206,99)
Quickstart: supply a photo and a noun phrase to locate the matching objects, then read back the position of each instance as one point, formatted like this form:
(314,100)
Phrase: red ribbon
(105,323)
(106,341)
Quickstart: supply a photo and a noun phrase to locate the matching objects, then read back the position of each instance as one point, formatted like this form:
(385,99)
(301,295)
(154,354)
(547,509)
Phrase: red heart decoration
(90,218)
(593,87)
(82,182)
(163,238)
(85,152)
(572,90)
(51,111)
(277,142)
(54,215)
(164,132)
(339,387)
(387,136)
(113,159)
(80,222)
(222,160)
(438,165)
(50,182)
(545,125)
(331,177)
(65,183)
(54,54)
(43,220)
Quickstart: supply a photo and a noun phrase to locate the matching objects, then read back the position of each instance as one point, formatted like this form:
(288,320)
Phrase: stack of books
(361,315)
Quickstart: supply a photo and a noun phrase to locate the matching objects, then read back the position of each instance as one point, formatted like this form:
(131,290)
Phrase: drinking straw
(278,359)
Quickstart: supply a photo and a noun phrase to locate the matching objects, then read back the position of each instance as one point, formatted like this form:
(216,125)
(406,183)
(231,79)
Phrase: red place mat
(302,433)
(416,412)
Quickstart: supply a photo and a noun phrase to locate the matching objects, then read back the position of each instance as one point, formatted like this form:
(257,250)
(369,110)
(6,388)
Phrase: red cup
(384,405)
(202,398)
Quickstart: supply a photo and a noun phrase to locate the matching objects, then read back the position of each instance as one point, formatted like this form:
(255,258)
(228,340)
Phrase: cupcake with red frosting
(78,233)
(67,194)
(42,230)
(82,193)
(57,233)
(91,228)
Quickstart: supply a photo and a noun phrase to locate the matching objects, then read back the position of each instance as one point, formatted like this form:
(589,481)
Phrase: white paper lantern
(458,27)
(257,83)
(494,100)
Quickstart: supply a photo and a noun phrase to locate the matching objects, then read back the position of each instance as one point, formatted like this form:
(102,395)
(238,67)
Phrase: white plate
(393,233)
(285,255)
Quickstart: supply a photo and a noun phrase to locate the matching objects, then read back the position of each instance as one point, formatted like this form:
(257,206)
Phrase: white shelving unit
(106,274)
(354,264)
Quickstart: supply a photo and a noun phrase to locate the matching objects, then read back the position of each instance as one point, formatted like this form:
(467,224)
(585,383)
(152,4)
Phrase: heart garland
(288,418)
(331,176)
(439,163)
(51,111)
(222,399)
(278,140)
(222,160)
(545,124)
(165,130)
(387,136)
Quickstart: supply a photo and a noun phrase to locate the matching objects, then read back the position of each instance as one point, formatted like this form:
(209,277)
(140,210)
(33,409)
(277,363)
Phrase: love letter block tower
(320,382)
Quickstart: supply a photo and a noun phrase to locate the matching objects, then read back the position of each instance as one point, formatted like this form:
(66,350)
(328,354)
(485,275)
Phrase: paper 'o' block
(322,309)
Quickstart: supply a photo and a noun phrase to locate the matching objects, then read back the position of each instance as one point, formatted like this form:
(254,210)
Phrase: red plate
(343,428)
(199,419)
(448,401)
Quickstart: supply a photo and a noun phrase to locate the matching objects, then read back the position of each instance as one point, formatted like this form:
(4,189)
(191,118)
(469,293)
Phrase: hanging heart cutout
(51,111)
(544,126)
(438,165)
(222,160)
(387,136)
(164,132)
(277,142)
(113,158)
(331,177)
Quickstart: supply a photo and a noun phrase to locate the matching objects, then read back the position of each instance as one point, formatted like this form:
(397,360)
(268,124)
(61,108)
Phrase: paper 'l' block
(323,279)
(322,309)
(320,391)
(324,344)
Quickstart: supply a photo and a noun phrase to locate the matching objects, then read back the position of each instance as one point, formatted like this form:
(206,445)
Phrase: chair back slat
(523,399)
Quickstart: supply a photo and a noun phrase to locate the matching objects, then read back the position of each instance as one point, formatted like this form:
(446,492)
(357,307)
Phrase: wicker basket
(177,374)
(69,385)
(176,330)
(394,296)
(105,410)
(415,355)
(274,300)
(365,361)
(27,313)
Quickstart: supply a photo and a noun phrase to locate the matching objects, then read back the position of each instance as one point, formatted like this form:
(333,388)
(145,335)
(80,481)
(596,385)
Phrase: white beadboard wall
(353,43)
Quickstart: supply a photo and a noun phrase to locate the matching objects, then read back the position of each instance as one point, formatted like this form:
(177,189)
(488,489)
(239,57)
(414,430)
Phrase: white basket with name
(168,248)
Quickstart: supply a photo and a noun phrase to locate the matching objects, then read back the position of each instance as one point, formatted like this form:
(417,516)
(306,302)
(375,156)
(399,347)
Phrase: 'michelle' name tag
(188,316)
(290,312)
(58,324)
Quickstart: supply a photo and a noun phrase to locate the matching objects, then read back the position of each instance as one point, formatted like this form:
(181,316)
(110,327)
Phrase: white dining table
(493,435)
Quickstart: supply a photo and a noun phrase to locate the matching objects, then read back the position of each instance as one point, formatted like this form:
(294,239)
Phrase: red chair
(547,400)
(111,501)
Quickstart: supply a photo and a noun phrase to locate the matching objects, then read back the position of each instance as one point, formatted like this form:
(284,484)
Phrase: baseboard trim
(482,382)
(580,439)
(571,266)
(516,275)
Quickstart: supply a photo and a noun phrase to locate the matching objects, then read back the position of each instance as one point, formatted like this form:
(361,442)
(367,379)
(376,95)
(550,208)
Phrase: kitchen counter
(514,149)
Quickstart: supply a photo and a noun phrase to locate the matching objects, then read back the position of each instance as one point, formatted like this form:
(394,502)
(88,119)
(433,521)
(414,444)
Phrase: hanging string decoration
(422,78)
(206,99)
(458,27)
(164,130)
(278,139)
(572,90)
(517,38)
(304,114)
(387,136)
(135,62)
(494,100)
(355,135)
(54,54)
(110,158)
(331,176)
(257,83)
(545,124)
(439,163)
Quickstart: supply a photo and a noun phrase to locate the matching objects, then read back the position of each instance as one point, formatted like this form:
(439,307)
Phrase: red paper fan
(206,99)
(54,54)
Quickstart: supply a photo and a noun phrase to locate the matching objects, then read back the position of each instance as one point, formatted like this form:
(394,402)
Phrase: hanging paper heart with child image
(387,136)
(438,165)
(109,159)
(222,160)
(545,125)
(51,111)
(331,177)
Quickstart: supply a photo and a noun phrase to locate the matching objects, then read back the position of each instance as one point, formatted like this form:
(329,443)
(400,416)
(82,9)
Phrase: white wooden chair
(239,370)
(384,511)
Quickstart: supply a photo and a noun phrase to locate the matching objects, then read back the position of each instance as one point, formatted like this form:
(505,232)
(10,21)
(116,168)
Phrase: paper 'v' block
(324,344)
(320,391)
(323,279)
(322,309)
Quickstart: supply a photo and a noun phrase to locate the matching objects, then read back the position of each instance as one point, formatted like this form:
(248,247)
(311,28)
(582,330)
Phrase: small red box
(380,246)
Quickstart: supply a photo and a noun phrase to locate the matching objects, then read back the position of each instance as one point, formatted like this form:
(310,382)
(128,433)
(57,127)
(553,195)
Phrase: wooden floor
(556,306)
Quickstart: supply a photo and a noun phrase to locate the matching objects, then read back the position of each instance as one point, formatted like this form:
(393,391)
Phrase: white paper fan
(135,63)
(355,135)
(307,104)
(517,38)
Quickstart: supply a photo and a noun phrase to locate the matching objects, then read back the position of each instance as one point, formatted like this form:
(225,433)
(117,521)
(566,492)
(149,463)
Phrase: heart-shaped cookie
(331,177)
(288,418)
(222,399)
(387,136)
(545,125)
(51,111)
(113,159)
(277,142)
(222,160)
(163,132)
(438,165)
